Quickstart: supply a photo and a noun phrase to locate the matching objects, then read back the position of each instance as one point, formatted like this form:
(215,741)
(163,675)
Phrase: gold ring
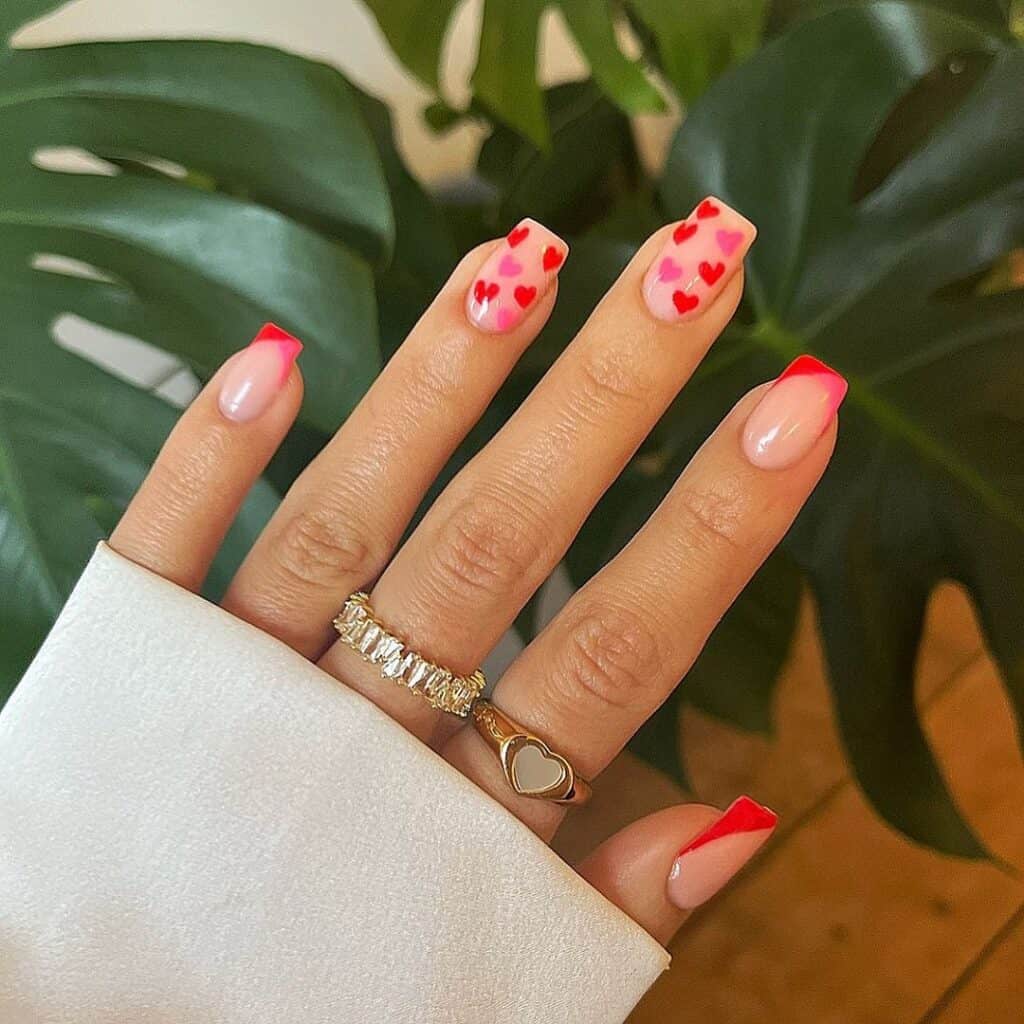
(361,630)
(531,767)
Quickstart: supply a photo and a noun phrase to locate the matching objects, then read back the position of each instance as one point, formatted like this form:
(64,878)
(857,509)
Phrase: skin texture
(606,662)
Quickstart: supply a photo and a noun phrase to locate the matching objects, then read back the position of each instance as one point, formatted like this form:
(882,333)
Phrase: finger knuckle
(321,547)
(609,380)
(426,381)
(612,655)
(486,544)
(713,519)
(185,472)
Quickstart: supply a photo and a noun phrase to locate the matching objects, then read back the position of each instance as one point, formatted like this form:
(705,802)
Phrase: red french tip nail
(742,815)
(807,364)
(271,332)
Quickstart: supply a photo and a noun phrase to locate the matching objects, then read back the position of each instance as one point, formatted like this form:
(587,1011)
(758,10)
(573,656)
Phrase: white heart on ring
(536,770)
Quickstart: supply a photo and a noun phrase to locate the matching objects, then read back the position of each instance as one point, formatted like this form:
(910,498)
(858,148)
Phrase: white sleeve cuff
(199,825)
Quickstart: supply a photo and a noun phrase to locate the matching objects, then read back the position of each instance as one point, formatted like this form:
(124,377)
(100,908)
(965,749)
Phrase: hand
(613,654)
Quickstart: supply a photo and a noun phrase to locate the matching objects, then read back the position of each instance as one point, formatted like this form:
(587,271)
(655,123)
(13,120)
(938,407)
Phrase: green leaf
(425,252)
(244,186)
(415,29)
(657,741)
(734,677)
(75,444)
(698,41)
(871,272)
(280,162)
(266,126)
(505,79)
(204,271)
(572,184)
(993,14)
(622,80)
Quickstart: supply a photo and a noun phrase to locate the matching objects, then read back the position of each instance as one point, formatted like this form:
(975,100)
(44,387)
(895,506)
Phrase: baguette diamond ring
(360,629)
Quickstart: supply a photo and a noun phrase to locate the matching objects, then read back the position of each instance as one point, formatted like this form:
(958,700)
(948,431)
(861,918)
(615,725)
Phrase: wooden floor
(842,921)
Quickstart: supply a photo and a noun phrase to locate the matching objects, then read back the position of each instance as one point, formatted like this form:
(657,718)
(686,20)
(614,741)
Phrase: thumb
(659,868)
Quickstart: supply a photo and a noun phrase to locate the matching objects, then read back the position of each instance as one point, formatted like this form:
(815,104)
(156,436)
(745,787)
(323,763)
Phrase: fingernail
(793,413)
(697,261)
(708,861)
(515,277)
(258,374)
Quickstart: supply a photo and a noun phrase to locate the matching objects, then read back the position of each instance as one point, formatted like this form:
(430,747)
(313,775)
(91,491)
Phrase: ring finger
(502,525)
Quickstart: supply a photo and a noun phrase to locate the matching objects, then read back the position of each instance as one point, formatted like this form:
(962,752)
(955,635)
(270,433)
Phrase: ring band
(531,767)
(361,630)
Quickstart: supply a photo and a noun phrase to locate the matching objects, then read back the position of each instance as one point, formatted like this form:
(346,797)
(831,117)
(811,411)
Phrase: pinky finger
(223,441)
(661,867)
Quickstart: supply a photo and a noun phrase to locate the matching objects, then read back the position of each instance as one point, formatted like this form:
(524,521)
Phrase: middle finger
(507,519)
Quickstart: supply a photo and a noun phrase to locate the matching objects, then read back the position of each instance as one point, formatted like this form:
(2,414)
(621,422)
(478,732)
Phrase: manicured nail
(707,862)
(793,413)
(258,374)
(697,261)
(515,277)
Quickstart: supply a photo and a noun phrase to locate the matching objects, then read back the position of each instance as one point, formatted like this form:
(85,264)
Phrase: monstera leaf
(241,185)
(692,42)
(992,14)
(875,257)
(75,444)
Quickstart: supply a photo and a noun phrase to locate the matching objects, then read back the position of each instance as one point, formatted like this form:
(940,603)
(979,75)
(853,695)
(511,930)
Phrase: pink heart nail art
(728,240)
(669,270)
(680,284)
(510,266)
(514,278)
(506,319)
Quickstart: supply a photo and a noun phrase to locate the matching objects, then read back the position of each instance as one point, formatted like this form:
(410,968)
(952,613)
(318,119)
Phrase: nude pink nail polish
(515,277)
(710,859)
(793,413)
(258,373)
(697,261)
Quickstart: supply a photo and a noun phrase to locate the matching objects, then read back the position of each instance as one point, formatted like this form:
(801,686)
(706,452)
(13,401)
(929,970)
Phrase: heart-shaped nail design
(707,209)
(517,235)
(522,269)
(728,240)
(524,294)
(536,770)
(684,302)
(482,290)
(552,258)
(683,232)
(669,270)
(510,266)
(710,273)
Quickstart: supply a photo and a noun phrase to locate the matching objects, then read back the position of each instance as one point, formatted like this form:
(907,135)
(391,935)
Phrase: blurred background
(157,200)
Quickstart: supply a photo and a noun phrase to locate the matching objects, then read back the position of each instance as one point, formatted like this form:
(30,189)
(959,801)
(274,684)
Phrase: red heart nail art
(523,268)
(552,258)
(683,302)
(524,295)
(683,232)
(707,209)
(710,273)
(516,235)
(482,291)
